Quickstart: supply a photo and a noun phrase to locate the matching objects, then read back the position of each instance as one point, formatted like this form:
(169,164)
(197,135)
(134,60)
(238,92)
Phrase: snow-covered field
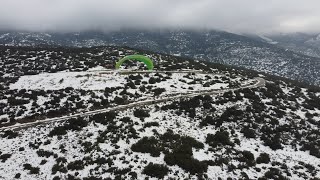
(93,80)
(61,80)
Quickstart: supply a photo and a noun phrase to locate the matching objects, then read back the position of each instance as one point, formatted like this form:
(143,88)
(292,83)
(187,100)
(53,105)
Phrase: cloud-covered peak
(231,15)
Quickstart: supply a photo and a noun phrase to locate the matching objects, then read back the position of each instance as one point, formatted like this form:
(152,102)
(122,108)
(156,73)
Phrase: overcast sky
(249,16)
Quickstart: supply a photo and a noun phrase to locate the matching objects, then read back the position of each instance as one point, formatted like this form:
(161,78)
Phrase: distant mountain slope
(308,44)
(214,46)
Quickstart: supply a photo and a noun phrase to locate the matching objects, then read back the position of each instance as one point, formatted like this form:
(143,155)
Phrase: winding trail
(259,82)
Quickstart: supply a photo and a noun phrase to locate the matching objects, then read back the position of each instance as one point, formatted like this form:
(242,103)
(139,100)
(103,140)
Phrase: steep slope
(267,132)
(213,46)
(308,44)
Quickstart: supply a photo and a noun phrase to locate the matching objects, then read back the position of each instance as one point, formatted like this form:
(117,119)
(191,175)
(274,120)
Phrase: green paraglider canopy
(137,57)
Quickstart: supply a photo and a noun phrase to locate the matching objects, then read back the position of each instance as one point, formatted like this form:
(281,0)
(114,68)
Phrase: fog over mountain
(230,15)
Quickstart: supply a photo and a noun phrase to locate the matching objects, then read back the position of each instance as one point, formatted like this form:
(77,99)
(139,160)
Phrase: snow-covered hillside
(308,44)
(101,80)
(244,132)
(214,46)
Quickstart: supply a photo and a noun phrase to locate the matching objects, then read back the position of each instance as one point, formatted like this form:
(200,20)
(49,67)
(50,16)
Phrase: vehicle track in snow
(260,82)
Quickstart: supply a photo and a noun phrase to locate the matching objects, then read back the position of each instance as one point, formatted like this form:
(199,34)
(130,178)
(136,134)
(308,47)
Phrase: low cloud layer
(242,16)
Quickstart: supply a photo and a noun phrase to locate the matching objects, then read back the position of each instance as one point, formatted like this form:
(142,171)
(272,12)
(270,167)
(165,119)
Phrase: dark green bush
(152,80)
(32,170)
(247,157)
(149,124)
(274,173)
(74,124)
(156,170)
(274,142)
(263,158)
(57,131)
(43,162)
(92,178)
(76,165)
(17,176)
(43,153)
(219,138)
(140,113)
(147,145)
(58,168)
(186,162)
(168,140)
(248,132)
(207,121)
(4,157)
(10,134)
(119,100)
(158,91)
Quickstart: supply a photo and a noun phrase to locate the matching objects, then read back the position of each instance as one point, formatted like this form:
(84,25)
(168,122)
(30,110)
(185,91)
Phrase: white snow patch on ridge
(61,80)
(270,41)
(93,80)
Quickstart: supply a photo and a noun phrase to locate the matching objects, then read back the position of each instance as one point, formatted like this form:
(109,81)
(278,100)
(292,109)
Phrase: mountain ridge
(215,46)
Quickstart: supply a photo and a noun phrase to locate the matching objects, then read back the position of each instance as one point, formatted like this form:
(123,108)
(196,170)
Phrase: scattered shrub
(9,134)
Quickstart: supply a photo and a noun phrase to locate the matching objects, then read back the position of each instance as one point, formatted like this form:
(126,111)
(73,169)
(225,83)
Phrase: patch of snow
(268,40)
(61,80)
(4,35)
